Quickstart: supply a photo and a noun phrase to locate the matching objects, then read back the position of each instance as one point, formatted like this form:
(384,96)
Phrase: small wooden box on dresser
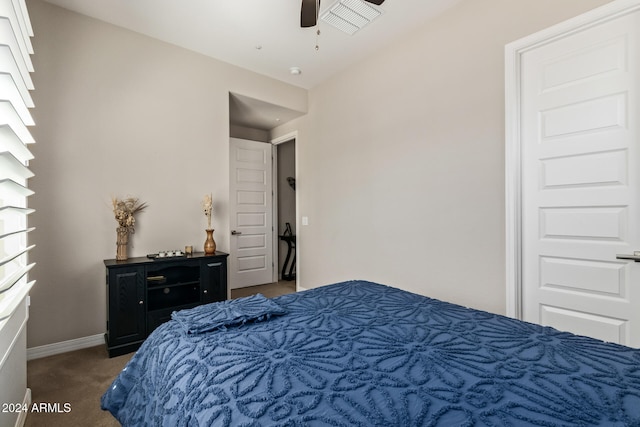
(142,293)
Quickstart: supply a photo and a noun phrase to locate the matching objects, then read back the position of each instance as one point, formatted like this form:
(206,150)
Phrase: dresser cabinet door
(214,280)
(126,305)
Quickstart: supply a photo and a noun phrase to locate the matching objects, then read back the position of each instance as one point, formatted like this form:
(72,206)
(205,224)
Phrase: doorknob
(235,233)
(635,256)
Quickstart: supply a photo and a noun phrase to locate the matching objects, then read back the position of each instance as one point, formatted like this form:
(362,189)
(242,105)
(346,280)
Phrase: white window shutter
(15,101)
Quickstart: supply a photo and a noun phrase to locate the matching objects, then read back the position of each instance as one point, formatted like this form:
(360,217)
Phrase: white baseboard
(64,346)
(26,403)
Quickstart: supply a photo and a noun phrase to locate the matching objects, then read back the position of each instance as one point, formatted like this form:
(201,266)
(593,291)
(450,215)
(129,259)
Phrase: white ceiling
(230,30)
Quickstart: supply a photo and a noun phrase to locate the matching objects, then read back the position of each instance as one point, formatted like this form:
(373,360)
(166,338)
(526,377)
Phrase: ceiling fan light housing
(350,16)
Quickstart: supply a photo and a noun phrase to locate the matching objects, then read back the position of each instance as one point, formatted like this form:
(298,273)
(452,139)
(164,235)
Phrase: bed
(363,354)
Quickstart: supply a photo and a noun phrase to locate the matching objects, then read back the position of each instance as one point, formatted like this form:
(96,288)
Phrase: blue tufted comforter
(363,354)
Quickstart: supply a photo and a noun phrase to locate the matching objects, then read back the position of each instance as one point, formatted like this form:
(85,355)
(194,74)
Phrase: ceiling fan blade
(309,13)
(376,2)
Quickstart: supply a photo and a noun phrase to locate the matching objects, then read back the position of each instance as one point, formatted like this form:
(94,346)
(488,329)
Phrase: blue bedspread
(363,354)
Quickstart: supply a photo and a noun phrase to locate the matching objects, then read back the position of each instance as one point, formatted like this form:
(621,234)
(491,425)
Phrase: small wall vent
(350,15)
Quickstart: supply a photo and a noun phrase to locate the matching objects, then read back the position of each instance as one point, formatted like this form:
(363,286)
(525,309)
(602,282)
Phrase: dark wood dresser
(142,293)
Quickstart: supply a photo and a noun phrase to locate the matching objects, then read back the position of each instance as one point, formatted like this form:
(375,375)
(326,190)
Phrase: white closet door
(580,181)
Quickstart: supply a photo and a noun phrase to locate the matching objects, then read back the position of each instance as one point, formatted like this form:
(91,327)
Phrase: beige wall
(241,132)
(121,114)
(401,158)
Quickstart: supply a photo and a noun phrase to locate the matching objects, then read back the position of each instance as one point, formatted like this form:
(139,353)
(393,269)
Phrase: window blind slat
(12,279)
(24,23)
(13,220)
(8,38)
(13,233)
(10,142)
(18,15)
(11,230)
(12,168)
(10,67)
(9,92)
(10,257)
(12,209)
(10,189)
(9,116)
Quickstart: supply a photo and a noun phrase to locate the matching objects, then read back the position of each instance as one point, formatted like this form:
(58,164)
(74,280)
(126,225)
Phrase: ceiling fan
(311,8)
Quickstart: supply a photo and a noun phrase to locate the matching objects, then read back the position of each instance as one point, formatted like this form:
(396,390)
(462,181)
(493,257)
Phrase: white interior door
(580,113)
(250,213)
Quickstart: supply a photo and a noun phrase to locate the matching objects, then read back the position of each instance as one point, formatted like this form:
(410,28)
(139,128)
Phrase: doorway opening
(257,253)
(285,212)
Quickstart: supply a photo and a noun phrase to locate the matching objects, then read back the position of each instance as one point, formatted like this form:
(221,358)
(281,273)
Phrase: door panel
(592,62)
(608,168)
(250,210)
(583,276)
(583,223)
(580,181)
(581,323)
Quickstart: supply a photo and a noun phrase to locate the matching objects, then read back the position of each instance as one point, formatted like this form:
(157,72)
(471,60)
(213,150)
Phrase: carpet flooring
(70,385)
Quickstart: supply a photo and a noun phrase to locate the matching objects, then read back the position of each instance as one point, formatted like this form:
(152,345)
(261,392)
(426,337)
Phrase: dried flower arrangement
(124,211)
(207,206)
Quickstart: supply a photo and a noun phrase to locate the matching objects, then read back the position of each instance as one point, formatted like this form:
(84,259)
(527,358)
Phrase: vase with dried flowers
(124,211)
(207,207)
